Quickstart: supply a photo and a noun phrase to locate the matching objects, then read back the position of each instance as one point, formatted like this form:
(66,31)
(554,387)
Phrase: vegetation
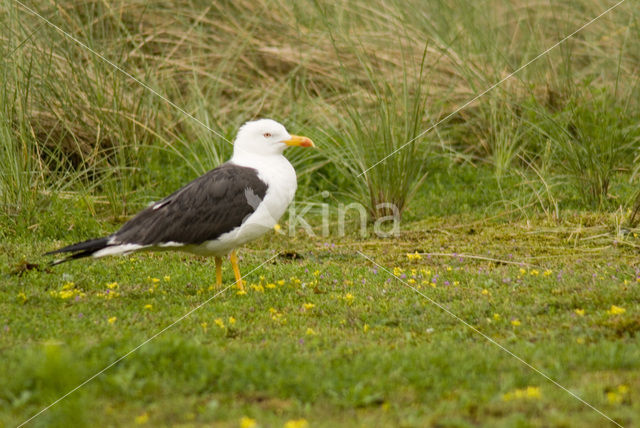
(541,171)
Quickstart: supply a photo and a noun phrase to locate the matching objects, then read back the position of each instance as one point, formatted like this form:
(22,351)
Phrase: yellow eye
(266,135)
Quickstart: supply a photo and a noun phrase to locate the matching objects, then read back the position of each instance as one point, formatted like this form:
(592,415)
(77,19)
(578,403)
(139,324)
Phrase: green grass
(369,351)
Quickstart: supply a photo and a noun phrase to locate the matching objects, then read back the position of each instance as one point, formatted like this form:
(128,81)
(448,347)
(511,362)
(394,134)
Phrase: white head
(266,137)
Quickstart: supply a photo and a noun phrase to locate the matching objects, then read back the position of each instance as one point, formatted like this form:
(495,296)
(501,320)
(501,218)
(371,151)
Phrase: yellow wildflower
(219,322)
(534,272)
(616,310)
(241,292)
(247,422)
(485,292)
(397,271)
(414,256)
(112,285)
(308,306)
(232,320)
(528,393)
(411,281)
(310,332)
(547,272)
(22,296)
(348,298)
(365,328)
(204,326)
(155,280)
(277,227)
(167,278)
(296,423)
(579,312)
(270,285)
(68,285)
(522,271)
(456,283)
(496,317)
(112,320)
(142,419)
(148,306)
(316,273)
(580,341)
(258,288)
(515,322)
(281,282)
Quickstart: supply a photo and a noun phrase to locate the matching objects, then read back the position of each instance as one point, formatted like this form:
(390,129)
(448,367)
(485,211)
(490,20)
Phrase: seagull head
(266,137)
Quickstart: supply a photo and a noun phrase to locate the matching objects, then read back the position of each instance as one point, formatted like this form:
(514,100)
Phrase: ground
(320,336)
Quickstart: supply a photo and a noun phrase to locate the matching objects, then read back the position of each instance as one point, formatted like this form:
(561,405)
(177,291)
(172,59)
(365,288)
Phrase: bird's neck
(253,160)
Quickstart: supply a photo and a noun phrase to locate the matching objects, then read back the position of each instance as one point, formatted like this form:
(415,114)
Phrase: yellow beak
(299,141)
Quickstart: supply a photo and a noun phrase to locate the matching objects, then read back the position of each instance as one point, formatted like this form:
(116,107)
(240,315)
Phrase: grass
(330,337)
(540,173)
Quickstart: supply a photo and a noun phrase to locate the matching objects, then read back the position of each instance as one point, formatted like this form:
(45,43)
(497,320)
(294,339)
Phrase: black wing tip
(79,250)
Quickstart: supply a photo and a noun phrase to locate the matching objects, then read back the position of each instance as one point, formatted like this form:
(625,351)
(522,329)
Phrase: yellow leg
(218,272)
(236,271)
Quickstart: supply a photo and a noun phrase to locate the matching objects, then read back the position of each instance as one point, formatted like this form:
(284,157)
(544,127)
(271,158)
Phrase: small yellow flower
(496,317)
(449,269)
(148,306)
(616,310)
(528,393)
(247,422)
(270,285)
(204,326)
(397,271)
(142,419)
(112,320)
(112,285)
(534,272)
(414,256)
(167,278)
(308,306)
(547,272)
(258,288)
(579,312)
(485,292)
(310,332)
(281,282)
(277,227)
(241,292)
(232,320)
(411,281)
(580,341)
(456,283)
(522,271)
(70,285)
(316,273)
(296,423)
(22,296)
(365,328)
(515,322)
(219,322)
(155,280)
(348,298)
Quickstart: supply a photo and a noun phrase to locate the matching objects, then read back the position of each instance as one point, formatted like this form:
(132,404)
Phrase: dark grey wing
(202,210)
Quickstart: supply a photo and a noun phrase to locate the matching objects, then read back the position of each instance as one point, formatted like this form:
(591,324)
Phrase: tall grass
(347,72)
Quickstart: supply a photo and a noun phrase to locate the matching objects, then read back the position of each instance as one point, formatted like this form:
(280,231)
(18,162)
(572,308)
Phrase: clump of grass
(379,148)
(593,139)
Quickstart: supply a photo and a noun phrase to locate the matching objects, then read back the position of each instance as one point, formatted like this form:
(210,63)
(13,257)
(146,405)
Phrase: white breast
(280,177)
